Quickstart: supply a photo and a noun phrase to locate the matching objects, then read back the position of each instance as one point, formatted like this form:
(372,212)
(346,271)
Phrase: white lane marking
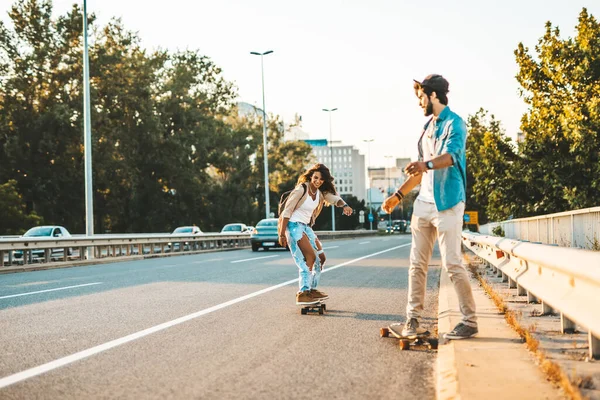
(330,247)
(365,242)
(252,259)
(61,362)
(49,290)
(203,261)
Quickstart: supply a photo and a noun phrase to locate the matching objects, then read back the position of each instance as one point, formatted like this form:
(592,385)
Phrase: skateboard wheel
(404,344)
(304,311)
(433,344)
(324,307)
(384,332)
(321,311)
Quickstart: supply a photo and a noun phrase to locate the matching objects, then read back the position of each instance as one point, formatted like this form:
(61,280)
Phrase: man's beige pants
(427,224)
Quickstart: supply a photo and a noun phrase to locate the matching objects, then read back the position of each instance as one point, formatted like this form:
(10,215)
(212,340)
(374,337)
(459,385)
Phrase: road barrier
(578,228)
(565,280)
(72,250)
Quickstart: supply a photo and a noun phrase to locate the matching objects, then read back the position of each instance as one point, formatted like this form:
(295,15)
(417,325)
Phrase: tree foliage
(561,85)
(492,184)
(14,216)
(168,146)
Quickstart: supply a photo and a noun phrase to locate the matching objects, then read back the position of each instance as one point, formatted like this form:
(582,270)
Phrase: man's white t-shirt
(305,211)
(428,147)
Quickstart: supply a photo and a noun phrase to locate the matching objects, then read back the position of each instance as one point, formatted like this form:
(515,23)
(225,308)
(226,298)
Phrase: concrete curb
(446,372)
(494,365)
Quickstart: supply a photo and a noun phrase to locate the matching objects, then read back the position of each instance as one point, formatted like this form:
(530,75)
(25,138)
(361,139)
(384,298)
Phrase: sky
(357,56)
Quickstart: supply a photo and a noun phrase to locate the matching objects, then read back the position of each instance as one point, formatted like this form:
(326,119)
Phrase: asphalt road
(215,325)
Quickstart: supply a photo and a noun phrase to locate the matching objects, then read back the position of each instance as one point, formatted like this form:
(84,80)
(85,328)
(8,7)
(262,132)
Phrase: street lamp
(368,142)
(388,191)
(266,161)
(331,166)
(87,136)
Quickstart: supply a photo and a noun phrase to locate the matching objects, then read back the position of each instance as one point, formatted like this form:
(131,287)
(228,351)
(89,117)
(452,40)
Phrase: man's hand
(390,203)
(415,168)
(347,210)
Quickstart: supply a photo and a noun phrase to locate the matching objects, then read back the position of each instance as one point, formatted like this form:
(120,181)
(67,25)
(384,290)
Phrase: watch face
(429,165)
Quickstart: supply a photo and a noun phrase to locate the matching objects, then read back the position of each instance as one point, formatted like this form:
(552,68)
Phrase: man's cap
(436,82)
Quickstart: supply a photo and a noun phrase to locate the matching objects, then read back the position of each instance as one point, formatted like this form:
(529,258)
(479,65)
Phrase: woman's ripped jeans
(294,232)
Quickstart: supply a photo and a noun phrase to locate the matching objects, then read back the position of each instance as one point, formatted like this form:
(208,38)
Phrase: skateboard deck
(319,306)
(405,342)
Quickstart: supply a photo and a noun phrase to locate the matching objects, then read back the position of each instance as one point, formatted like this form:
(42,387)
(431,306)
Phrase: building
(384,181)
(347,167)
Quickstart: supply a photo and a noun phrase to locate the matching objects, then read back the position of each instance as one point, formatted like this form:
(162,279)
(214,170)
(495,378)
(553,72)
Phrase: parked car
(235,228)
(265,235)
(183,231)
(397,226)
(48,231)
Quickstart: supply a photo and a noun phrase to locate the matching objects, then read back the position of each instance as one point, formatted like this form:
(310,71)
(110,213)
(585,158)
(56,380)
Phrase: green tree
(168,146)
(561,85)
(493,186)
(14,218)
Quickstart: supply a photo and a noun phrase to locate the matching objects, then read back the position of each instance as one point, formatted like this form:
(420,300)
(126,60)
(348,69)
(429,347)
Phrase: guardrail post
(546,308)
(2,258)
(504,277)
(47,255)
(531,297)
(572,230)
(521,291)
(566,325)
(511,283)
(594,346)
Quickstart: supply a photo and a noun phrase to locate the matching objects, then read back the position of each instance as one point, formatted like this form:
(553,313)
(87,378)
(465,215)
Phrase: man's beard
(429,109)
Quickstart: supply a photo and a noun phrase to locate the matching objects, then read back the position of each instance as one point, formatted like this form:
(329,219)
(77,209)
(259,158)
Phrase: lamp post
(87,136)
(266,161)
(388,191)
(368,141)
(331,161)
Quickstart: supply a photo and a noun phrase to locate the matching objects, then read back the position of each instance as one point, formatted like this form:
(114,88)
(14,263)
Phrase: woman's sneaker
(305,297)
(317,294)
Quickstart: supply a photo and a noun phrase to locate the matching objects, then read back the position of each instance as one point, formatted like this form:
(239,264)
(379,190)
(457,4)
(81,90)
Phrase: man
(439,208)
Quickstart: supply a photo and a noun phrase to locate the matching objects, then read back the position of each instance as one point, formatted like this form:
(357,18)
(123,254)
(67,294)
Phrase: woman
(314,188)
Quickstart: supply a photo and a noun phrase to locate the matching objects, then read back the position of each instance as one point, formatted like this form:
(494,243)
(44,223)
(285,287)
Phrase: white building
(384,181)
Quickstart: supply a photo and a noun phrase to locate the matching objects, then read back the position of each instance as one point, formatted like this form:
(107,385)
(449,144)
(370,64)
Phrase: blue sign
(370,217)
(467,218)
(316,142)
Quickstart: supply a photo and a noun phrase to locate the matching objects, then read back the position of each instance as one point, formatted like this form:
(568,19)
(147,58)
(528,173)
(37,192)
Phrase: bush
(498,231)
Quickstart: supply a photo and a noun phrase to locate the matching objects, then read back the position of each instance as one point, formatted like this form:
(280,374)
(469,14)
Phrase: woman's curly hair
(327,186)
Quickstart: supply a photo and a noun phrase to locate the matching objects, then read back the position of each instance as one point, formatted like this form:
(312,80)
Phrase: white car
(235,228)
(45,231)
(187,230)
(183,231)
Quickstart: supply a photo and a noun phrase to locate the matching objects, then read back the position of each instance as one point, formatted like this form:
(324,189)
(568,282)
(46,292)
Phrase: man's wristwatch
(429,164)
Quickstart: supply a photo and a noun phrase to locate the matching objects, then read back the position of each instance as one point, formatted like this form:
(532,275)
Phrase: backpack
(284,197)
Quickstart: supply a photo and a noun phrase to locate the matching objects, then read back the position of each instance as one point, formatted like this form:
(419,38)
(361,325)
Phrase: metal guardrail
(565,280)
(46,250)
(579,228)
(73,249)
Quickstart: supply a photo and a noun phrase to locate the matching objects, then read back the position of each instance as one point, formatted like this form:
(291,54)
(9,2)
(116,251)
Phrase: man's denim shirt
(449,184)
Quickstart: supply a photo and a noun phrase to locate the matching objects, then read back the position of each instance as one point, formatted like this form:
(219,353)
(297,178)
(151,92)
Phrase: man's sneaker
(317,294)
(411,328)
(305,298)
(461,331)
